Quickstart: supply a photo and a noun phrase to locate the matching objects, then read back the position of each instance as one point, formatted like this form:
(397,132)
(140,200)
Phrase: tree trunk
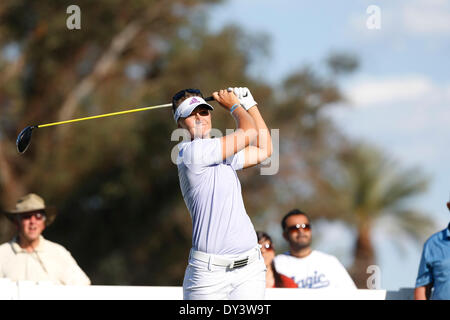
(11,186)
(106,62)
(11,189)
(364,256)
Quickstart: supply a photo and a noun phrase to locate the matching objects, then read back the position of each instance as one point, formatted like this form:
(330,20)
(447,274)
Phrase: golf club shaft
(104,115)
(111,114)
(24,137)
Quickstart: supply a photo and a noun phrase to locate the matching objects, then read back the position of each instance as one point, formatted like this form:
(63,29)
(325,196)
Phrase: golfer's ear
(285,236)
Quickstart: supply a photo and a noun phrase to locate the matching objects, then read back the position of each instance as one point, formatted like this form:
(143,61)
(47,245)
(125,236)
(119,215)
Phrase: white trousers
(206,281)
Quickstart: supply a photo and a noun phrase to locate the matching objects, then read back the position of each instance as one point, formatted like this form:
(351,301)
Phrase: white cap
(188,105)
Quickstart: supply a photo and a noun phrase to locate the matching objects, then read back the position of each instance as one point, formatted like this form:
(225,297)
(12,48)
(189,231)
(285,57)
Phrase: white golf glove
(245,97)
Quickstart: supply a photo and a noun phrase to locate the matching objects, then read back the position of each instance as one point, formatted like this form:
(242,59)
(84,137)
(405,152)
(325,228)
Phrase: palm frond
(417,225)
(402,186)
(373,185)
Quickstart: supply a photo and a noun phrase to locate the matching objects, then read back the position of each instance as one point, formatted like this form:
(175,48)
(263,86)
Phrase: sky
(398,99)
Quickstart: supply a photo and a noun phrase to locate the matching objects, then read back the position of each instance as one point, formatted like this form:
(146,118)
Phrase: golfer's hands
(245,97)
(227,99)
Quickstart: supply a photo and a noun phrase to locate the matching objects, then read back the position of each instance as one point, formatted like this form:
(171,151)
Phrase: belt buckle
(239,263)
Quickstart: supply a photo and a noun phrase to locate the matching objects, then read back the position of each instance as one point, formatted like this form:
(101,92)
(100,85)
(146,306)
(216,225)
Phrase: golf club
(24,137)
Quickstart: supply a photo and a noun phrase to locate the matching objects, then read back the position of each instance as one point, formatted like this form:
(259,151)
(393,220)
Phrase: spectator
(308,268)
(434,268)
(273,278)
(28,256)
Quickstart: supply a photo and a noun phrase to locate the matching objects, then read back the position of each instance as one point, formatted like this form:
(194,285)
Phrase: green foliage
(121,212)
(369,186)
(376,185)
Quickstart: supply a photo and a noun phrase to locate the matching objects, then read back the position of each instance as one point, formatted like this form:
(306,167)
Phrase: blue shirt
(435,265)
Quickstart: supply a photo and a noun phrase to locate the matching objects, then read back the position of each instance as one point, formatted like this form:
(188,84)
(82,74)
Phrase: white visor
(185,109)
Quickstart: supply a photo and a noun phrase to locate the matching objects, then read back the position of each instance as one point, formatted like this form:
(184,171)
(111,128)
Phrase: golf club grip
(211,98)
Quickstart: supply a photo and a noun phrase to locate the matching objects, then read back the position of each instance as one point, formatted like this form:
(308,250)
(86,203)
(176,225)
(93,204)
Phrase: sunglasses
(36,215)
(180,94)
(266,246)
(297,227)
(202,112)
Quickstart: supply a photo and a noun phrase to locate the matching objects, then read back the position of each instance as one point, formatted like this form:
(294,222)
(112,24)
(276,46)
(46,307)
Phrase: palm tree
(370,187)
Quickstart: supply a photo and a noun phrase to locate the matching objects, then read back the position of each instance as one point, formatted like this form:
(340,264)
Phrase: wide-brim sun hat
(31,203)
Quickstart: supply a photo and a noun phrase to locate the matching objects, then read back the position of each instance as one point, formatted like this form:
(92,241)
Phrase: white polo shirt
(212,193)
(50,262)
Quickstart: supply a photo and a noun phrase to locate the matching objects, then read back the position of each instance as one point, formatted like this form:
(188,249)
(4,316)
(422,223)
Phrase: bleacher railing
(27,290)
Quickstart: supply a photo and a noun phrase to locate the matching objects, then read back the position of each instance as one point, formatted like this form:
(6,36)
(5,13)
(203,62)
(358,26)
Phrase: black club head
(24,138)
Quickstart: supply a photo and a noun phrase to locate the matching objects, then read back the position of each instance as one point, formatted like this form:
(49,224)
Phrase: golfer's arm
(255,154)
(243,136)
(423,293)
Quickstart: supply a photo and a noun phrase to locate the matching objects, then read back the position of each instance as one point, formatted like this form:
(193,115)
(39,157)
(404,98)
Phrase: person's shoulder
(182,146)
(323,256)
(285,256)
(193,147)
(56,247)
(436,237)
(5,247)
(198,142)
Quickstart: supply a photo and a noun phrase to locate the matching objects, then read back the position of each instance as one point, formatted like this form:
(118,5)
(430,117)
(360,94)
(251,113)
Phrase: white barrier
(26,290)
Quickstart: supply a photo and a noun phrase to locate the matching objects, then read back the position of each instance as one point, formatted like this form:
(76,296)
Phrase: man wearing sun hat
(28,256)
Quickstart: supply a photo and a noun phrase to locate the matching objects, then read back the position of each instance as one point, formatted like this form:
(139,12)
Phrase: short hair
(293,212)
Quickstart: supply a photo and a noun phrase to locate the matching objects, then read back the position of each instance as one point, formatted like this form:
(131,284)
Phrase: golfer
(225,261)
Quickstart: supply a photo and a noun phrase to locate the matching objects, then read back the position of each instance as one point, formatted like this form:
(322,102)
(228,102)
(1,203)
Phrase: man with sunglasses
(310,269)
(28,256)
(225,261)
(433,278)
